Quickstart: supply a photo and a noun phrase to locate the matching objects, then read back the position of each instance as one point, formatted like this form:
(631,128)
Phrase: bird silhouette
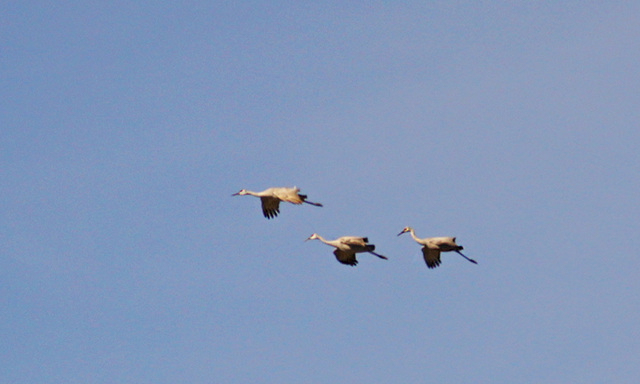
(432,246)
(272,197)
(347,247)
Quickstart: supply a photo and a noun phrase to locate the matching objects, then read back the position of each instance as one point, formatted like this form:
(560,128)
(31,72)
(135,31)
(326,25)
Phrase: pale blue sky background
(126,127)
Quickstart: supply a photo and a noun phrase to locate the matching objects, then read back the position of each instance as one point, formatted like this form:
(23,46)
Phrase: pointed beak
(236,194)
(402,232)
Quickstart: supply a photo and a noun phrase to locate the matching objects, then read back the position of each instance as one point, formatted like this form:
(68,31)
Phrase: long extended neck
(325,241)
(413,235)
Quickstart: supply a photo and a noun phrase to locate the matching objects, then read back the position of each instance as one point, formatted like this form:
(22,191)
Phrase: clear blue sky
(126,127)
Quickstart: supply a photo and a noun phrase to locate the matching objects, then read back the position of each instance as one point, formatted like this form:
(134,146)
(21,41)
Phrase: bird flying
(272,197)
(432,247)
(347,247)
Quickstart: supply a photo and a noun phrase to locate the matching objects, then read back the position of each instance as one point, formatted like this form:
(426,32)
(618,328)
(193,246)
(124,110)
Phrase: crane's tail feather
(379,255)
(304,200)
(371,247)
(471,260)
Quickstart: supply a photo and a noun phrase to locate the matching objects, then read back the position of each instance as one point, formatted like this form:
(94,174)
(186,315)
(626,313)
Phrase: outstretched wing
(354,241)
(431,257)
(287,194)
(270,206)
(348,258)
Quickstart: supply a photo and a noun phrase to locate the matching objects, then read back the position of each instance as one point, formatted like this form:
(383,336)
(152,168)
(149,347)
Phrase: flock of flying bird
(346,247)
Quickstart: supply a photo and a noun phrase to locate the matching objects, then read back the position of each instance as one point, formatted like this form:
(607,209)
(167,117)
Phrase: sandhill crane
(434,245)
(347,247)
(272,197)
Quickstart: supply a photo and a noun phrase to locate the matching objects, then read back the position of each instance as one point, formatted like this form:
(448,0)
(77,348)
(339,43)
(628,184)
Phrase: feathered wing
(354,241)
(348,258)
(431,256)
(359,244)
(289,195)
(270,206)
(292,195)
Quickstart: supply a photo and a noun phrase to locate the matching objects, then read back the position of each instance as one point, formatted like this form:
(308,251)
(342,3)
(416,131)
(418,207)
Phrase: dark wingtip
(270,214)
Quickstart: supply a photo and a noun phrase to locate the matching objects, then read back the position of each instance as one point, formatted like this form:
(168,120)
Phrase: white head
(405,230)
(241,193)
(313,237)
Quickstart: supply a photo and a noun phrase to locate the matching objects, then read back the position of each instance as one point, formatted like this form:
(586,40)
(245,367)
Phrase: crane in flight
(432,246)
(347,247)
(272,197)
